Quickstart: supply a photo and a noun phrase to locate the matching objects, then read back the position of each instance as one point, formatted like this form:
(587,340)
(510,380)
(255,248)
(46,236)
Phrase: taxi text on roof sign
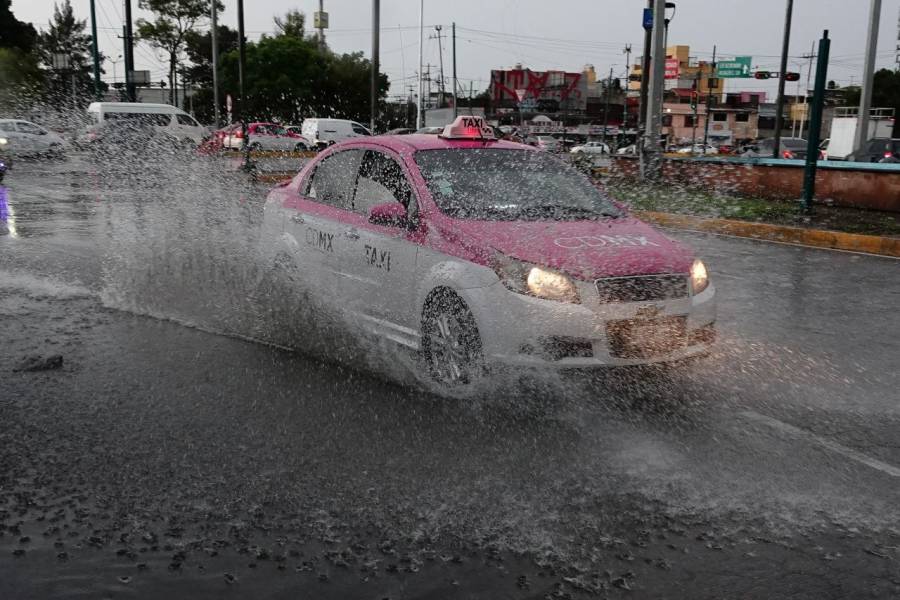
(468,128)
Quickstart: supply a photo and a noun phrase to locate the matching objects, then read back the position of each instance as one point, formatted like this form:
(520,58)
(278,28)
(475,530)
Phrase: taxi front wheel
(451,345)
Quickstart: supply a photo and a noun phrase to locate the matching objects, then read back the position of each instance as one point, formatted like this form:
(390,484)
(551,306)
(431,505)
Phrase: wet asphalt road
(170,456)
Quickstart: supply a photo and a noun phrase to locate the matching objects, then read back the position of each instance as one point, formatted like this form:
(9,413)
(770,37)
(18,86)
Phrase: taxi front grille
(642,288)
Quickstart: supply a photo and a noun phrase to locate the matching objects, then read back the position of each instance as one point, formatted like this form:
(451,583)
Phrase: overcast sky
(540,34)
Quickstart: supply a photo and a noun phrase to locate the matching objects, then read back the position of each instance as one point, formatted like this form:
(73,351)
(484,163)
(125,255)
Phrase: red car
(266,136)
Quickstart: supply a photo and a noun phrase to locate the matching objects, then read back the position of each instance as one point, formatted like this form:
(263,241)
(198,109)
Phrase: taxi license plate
(632,338)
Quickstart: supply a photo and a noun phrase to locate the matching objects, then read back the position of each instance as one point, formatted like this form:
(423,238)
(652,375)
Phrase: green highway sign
(738,67)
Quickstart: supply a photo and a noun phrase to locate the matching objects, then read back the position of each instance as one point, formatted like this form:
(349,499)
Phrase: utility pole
(438,28)
(709,89)
(779,105)
(373,95)
(815,124)
(645,74)
(865,98)
(241,108)
(695,100)
(655,92)
(455,82)
(129,55)
(322,25)
(421,33)
(214,38)
(95,53)
(810,56)
(606,109)
(627,53)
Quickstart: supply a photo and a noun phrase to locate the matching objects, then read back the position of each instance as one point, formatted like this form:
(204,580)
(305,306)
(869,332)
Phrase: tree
(13,32)
(885,94)
(198,47)
(167,32)
(66,35)
(292,24)
(20,76)
(288,78)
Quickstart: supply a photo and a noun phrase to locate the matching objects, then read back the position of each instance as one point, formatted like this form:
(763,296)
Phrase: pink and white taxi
(473,252)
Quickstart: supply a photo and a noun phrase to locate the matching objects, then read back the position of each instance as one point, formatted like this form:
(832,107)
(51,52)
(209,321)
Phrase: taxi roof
(424,141)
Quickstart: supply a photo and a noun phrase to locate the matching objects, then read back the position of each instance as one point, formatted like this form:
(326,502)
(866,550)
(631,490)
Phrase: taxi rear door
(314,222)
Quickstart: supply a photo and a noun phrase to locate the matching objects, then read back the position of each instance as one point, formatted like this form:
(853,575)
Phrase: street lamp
(114,62)
(668,18)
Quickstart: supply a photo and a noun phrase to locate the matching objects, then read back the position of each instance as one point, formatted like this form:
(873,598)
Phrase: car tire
(451,348)
(301,147)
(255,147)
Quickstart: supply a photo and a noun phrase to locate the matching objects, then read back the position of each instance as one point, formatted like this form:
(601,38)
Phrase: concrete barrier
(873,186)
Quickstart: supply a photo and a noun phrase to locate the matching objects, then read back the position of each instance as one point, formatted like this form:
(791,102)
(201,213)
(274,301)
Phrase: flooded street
(200,433)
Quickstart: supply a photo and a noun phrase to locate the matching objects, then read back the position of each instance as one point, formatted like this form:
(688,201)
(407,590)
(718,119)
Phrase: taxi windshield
(493,184)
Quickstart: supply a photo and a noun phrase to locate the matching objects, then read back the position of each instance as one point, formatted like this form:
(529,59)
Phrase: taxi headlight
(3,141)
(699,276)
(532,280)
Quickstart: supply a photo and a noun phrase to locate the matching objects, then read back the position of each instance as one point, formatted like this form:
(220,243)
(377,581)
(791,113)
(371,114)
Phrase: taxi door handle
(352,234)
(298,218)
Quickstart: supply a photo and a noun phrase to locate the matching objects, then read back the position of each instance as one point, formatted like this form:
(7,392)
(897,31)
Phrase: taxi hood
(586,250)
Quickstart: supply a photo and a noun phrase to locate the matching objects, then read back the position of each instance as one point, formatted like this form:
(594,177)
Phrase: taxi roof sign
(468,128)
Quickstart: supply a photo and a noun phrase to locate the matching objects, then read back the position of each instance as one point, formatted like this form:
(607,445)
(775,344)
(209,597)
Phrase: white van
(166,117)
(324,132)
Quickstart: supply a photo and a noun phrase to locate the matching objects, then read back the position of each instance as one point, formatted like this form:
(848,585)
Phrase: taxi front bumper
(519,330)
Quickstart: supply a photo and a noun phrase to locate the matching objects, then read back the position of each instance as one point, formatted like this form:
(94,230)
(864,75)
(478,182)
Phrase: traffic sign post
(739,67)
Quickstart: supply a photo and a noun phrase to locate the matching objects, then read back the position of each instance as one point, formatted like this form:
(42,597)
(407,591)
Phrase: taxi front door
(376,275)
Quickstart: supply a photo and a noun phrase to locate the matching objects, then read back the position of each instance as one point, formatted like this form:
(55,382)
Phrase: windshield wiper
(572,210)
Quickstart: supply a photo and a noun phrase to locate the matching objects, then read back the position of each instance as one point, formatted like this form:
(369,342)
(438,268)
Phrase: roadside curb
(818,238)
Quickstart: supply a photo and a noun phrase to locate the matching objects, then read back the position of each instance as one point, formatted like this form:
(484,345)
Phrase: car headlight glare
(532,280)
(3,141)
(699,276)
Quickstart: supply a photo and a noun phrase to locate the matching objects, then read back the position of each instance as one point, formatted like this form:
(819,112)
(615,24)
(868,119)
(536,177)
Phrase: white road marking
(796,432)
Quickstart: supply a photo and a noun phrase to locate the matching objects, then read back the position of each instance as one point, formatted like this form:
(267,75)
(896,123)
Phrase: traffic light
(762,75)
(792,76)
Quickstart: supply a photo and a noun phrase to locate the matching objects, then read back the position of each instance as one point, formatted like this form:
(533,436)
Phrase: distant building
(579,100)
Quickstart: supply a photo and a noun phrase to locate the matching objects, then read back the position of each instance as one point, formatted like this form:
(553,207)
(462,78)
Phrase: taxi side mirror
(391,214)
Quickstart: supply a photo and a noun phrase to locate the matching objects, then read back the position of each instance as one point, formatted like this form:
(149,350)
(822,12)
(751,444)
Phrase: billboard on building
(544,91)
(673,68)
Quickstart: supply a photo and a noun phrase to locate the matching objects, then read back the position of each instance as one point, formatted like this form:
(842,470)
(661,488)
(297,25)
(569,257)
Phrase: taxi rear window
(493,184)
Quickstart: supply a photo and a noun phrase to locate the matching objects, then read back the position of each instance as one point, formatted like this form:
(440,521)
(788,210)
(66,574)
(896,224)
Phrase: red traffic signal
(762,75)
(792,76)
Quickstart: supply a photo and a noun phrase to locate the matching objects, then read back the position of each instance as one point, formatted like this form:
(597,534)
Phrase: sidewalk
(700,210)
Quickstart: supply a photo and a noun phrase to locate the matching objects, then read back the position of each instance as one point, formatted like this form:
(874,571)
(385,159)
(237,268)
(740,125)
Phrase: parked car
(430,130)
(266,136)
(877,150)
(591,148)
(790,148)
(629,150)
(171,121)
(547,143)
(707,149)
(400,131)
(324,132)
(25,138)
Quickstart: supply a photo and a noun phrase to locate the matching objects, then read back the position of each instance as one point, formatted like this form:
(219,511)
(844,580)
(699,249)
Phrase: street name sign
(737,68)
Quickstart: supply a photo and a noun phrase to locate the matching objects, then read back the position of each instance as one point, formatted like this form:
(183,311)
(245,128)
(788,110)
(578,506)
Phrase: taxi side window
(187,120)
(381,180)
(333,180)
